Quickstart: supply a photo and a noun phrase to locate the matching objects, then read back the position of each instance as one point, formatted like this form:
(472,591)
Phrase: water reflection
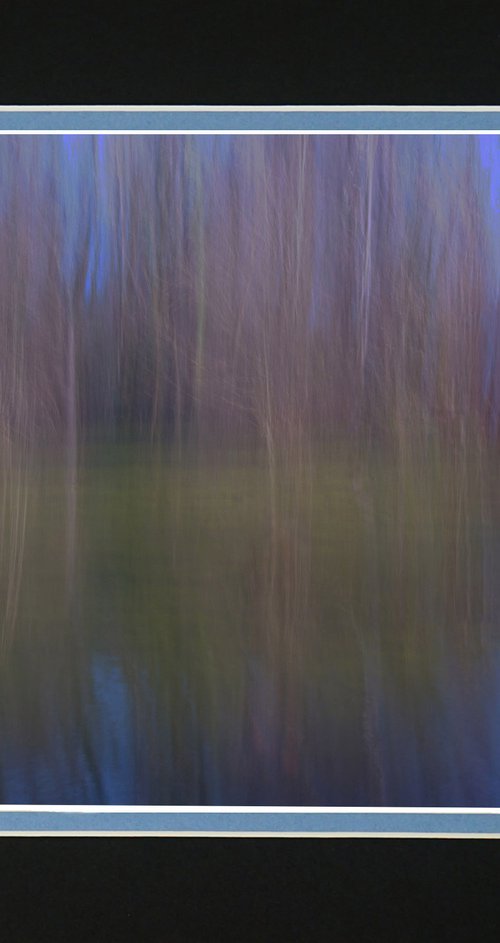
(330,640)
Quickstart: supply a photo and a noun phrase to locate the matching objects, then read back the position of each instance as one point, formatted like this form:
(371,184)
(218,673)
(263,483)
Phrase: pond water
(205,632)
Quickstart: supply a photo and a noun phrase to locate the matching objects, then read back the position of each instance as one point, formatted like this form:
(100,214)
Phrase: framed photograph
(249,501)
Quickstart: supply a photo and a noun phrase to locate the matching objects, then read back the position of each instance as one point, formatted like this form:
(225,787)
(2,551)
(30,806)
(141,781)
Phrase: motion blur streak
(249,505)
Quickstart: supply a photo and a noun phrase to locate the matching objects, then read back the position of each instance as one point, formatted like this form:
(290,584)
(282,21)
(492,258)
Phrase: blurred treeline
(278,290)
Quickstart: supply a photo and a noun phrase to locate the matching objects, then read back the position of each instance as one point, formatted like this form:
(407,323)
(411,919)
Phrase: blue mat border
(237,121)
(254,822)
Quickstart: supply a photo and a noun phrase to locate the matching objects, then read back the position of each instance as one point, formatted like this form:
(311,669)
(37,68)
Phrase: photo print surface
(249,491)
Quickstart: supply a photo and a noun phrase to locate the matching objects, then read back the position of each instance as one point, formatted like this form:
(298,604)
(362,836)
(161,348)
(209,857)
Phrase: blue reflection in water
(112,731)
(443,751)
(182,673)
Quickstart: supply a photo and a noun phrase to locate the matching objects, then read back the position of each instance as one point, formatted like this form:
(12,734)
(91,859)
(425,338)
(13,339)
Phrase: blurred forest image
(249,469)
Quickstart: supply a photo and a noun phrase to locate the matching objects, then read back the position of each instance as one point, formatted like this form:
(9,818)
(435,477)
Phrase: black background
(250,52)
(203,890)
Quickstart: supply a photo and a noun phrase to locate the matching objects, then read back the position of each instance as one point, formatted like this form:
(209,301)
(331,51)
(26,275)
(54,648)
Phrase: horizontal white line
(384,132)
(253,810)
(225,834)
(332,109)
